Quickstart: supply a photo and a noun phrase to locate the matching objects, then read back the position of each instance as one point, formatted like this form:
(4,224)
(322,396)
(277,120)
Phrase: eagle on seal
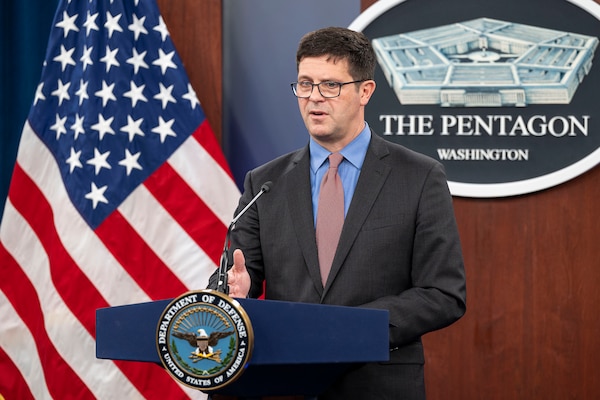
(204,343)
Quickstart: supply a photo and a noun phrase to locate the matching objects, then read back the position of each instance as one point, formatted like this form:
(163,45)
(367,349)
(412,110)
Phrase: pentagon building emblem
(485,63)
(204,339)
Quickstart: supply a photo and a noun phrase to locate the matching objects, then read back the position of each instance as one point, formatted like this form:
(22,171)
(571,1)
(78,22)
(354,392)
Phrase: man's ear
(367,89)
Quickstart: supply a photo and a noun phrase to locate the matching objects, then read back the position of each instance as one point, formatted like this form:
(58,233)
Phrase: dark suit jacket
(399,249)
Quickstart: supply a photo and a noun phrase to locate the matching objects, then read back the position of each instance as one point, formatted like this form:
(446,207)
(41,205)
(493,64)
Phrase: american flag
(120,194)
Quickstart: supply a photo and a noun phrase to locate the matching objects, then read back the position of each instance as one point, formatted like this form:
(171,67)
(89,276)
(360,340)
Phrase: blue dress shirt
(349,170)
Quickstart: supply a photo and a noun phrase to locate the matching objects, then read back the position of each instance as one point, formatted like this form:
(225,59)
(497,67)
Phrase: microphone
(222,274)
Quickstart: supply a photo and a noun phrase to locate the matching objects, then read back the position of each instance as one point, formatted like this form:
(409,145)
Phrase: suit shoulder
(403,154)
(276,168)
(280,162)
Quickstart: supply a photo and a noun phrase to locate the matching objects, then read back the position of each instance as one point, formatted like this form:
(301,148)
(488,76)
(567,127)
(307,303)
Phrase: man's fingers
(239,261)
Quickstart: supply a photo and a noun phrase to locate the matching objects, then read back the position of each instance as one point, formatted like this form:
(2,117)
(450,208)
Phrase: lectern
(299,348)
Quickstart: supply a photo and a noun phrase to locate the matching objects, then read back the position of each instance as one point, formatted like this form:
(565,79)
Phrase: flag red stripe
(78,293)
(12,383)
(207,139)
(138,258)
(60,378)
(203,226)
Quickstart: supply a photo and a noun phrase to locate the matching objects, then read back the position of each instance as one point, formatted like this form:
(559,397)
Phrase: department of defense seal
(204,339)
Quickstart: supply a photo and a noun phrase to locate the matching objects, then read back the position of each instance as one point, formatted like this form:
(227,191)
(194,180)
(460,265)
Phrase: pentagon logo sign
(485,62)
(204,339)
(503,93)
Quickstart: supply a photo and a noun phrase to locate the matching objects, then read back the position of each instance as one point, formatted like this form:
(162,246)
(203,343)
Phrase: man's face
(333,122)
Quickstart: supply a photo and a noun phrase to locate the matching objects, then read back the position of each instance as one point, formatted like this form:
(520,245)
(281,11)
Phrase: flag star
(137,60)
(59,126)
(99,161)
(103,126)
(39,95)
(191,96)
(74,161)
(77,126)
(62,92)
(90,23)
(82,91)
(130,161)
(165,95)
(162,28)
(86,57)
(68,23)
(164,61)
(133,128)
(110,58)
(106,93)
(164,129)
(137,26)
(65,57)
(96,195)
(112,24)
(135,93)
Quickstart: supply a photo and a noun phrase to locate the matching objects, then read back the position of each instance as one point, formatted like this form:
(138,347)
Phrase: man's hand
(238,277)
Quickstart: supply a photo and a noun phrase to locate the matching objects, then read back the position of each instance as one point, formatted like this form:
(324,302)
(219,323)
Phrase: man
(399,248)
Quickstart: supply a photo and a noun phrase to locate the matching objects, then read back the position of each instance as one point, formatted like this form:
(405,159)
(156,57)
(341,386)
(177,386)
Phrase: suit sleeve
(437,297)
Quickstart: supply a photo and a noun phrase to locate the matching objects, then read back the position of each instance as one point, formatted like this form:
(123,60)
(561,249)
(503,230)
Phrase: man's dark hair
(340,44)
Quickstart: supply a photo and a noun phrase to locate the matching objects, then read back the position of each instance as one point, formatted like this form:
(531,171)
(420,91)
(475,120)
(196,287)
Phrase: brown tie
(330,215)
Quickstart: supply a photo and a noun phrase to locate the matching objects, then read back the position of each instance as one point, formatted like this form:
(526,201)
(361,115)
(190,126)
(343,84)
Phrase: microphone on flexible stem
(222,274)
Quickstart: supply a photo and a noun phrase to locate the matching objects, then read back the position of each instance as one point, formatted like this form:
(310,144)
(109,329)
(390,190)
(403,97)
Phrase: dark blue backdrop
(260,37)
(25,25)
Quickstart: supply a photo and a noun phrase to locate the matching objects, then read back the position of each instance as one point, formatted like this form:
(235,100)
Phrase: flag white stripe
(18,342)
(71,340)
(167,238)
(88,251)
(207,179)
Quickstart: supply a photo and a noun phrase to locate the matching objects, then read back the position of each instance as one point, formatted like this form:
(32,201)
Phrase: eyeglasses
(328,89)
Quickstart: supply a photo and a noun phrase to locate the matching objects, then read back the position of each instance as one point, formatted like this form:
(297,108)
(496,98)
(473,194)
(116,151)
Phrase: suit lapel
(298,193)
(373,174)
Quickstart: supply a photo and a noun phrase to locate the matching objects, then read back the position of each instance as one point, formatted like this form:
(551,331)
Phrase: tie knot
(335,159)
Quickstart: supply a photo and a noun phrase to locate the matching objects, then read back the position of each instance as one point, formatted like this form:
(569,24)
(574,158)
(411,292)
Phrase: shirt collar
(354,151)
